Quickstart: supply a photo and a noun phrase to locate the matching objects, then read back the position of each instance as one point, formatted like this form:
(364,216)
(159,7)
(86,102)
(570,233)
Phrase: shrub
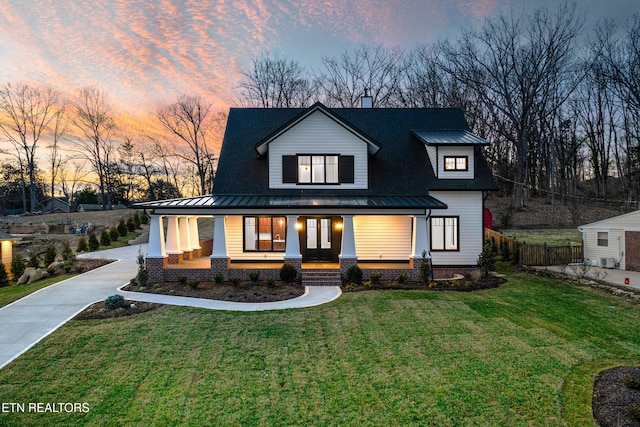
(122,228)
(505,252)
(136,220)
(632,382)
(403,278)
(33,261)
(50,255)
(144,219)
(105,240)
(234,281)
(254,276)
(288,273)
(375,278)
(93,242)
(113,234)
(67,252)
(78,269)
(354,275)
(4,277)
(143,275)
(82,245)
(487,259)
(114,302)
(193,284)
(271,283)
(634,412)
(182,279)
(425,269)
(131,226)
(17,266)
(219,278)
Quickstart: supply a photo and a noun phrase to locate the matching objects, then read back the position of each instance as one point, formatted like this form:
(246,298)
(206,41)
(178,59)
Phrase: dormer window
(456,163)
(318,169)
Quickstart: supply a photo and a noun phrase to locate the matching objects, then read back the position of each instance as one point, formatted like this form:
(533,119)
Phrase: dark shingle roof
(401,167)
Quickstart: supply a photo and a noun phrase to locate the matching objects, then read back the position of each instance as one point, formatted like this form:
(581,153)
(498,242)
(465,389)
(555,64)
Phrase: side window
(444,234)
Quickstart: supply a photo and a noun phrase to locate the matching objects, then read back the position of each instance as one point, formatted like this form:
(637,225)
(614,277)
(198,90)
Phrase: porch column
(194,237)
(347,255)
(173,240)
(420,243)
(156,260)
(219,255)
(292,249)
(185,237)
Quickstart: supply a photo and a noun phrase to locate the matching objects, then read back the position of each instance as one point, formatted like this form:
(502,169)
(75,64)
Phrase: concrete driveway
(30,319)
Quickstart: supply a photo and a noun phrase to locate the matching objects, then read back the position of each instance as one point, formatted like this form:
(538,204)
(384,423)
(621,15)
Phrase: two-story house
(330,188)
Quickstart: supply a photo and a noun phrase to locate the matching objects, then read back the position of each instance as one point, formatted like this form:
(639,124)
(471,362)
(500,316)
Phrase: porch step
(321,277)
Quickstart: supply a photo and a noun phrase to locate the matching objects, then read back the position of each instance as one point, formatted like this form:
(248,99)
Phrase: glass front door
(319,240)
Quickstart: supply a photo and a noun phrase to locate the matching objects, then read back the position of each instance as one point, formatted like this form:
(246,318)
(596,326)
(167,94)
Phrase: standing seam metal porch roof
(241,201)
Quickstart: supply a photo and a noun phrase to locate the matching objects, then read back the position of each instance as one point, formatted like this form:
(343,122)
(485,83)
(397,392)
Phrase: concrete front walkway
(30,319)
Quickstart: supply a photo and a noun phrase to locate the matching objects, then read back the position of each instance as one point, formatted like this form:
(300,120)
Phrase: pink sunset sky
(147,52)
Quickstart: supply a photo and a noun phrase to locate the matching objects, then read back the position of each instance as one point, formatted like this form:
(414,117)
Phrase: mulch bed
(612,400)
(459,285)
(100,311)
(244,292)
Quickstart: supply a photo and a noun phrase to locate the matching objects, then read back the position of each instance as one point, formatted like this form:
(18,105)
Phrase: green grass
(122,241)
(13,292)
(552,237)
(523,354)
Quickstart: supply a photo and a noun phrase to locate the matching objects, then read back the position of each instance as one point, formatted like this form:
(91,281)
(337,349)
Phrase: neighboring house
(333,187)
(613,242)
(58,205)
(6,250)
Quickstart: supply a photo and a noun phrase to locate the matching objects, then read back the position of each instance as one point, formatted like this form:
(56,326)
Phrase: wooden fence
(534,255)
(550,255)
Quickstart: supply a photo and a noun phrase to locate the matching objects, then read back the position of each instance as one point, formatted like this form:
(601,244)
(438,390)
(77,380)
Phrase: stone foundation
(187,255)
(297,264)
(175,258)
(219,265)
(448,272)
(156,268)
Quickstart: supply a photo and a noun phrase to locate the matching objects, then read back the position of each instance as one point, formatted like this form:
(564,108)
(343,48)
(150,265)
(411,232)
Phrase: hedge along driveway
(30,319)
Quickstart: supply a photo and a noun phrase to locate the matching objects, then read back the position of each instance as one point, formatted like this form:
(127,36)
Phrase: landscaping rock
(31,275)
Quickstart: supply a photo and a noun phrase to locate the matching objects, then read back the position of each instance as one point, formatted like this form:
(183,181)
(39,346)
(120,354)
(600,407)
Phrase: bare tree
(55,157)
(510,63)
(378,69)
(70,179)
(275,82)
(93,120)
(25,115)
(187,119)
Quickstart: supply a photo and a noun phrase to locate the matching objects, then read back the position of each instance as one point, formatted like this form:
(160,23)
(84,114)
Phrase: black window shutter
(289,169)
(345,169)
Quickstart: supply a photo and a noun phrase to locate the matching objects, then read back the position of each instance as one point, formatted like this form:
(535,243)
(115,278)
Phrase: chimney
(366,101)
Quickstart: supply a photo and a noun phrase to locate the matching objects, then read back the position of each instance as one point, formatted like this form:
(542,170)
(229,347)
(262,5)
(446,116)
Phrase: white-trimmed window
(318,169)
(265,233)
(456,163)
(444,233)
(602,239)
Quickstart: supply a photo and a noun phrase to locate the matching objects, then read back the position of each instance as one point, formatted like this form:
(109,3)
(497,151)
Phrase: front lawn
(522,354)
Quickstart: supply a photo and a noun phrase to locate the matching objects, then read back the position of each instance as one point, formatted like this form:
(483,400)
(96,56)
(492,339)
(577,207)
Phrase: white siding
(318,134)
(432,151)
(235,244)
(457,152)
(382,237)
(467,205)
(615,249)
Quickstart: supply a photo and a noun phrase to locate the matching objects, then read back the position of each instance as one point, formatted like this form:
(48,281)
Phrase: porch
(322,244)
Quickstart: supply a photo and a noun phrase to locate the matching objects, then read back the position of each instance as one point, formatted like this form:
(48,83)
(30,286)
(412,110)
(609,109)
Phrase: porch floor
(205,262)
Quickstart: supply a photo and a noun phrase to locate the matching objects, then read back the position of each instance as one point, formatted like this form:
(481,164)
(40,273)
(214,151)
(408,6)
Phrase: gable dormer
(318,150)
(451,152)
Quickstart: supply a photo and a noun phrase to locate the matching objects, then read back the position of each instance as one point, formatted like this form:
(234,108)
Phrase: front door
(320,240)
